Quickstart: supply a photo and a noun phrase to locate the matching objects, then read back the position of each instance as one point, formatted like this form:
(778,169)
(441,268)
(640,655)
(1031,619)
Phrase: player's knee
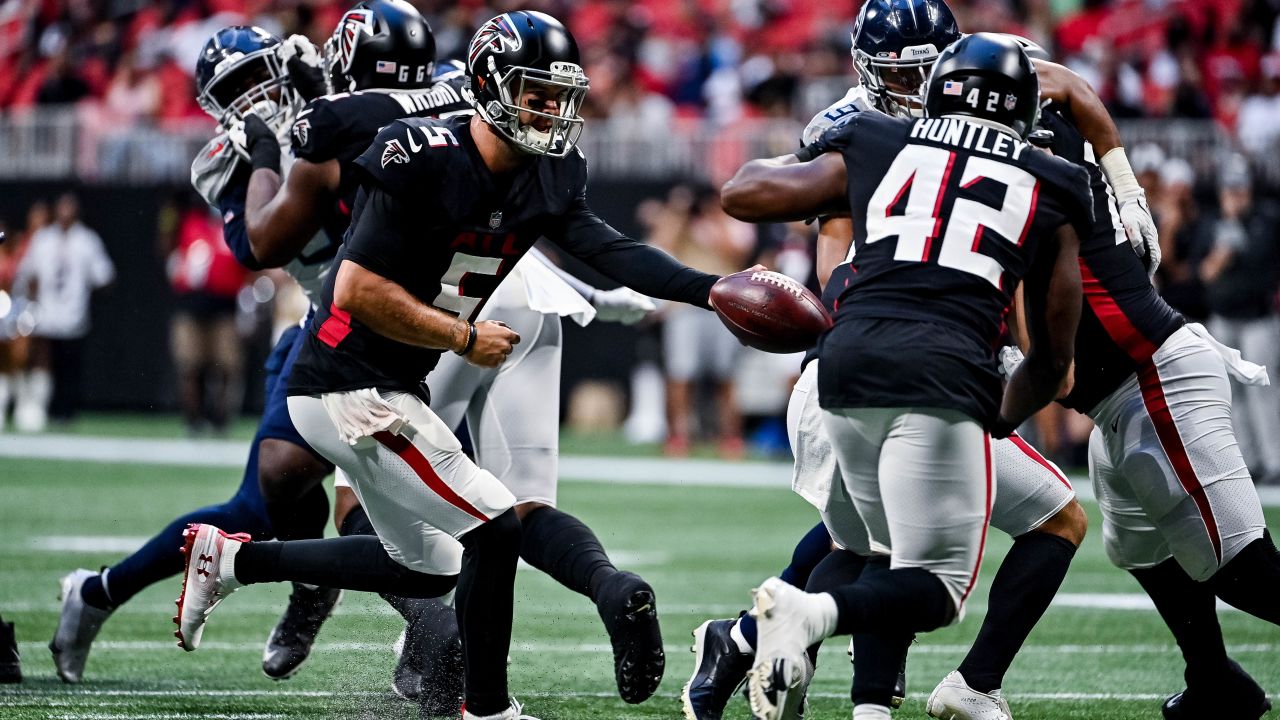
(287,471)
(1070,523)
(502,532)
(524,509)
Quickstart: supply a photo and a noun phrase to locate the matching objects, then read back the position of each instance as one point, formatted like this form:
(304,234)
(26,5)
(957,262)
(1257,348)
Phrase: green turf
(701,548)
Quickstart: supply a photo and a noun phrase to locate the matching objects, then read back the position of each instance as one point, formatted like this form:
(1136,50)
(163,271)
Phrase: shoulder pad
(404,154)
(1070,182)
(213,168)
(854,101)
(317,128)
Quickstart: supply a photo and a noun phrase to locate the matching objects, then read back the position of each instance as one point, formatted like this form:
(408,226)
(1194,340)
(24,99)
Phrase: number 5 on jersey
(924,175)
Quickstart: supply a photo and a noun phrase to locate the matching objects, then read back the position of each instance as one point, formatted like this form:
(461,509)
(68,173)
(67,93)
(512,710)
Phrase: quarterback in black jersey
(951,212)
(446,208)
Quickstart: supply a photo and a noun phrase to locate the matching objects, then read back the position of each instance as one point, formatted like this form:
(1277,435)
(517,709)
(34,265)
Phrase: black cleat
(10,662)
(627,606)
(719,669)
(1235,697)
(291,640)
(430,668)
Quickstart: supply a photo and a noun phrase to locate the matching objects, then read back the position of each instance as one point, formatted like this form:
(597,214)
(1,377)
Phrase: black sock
(1024,586)
(300,518)
(351,563)
(877,657)
(357,522)
(907,600)
(836,569)
(561,546)
(1250,580)
(485,600)
(1188,608)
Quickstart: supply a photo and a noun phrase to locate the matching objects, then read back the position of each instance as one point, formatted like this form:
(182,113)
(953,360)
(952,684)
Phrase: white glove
(298,46)
(622,305)
(1140,228)
(1010,358)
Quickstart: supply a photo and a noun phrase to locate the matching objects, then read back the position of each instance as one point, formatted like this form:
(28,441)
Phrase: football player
(446,210)
(240,70)
(914,450)
(514,412)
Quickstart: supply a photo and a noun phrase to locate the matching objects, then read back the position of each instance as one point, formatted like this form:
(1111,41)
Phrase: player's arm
(835,236)
(621,304)
(786,188)
(640,267)
(366,287)
(1052,313)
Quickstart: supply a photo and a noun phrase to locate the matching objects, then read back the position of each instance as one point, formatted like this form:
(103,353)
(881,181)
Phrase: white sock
(740,640)
(870,712)
(227,566)
(828,613)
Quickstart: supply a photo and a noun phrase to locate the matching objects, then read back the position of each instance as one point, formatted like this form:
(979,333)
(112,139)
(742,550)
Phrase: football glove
(1135,214)
(305,66)
(255,142)
(622,305)
(1010,358)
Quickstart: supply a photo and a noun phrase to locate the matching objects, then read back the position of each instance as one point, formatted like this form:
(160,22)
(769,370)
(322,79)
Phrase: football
(769,311)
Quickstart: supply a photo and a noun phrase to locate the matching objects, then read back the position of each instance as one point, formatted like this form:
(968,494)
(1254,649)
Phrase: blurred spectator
(1240,276)
(1184,239)
(15,318)
(65,263)
(694,228)
(206,347)
(62,83)
(1257,124)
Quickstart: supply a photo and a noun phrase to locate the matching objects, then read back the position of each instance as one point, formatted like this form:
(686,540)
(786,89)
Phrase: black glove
(261,144)
(831,139)
(307,79)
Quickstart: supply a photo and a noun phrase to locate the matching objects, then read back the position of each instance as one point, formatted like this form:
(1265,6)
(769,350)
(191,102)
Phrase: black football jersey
(432,218)
(341,127)
(1123,320)
(948,216)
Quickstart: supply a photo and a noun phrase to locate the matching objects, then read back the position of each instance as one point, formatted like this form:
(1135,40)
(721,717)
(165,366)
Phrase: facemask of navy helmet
(240,72)
(525,79)
(894,46)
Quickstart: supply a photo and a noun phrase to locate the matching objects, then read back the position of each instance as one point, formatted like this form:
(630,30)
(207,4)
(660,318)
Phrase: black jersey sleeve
(1069,183)
(379,239)
(640,267)
(317,134)
(397,161)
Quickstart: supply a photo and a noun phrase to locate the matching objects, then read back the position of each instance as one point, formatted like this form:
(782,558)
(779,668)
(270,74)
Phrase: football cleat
(10,661)
(430,665)
(1235,696)
(953,699)
(78,625)
(899,686)
(208,578)
(515,712)
(290,642)
(719,668)
(629,610)
(788,622)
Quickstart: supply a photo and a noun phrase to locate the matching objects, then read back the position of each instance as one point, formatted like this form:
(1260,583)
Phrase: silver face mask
(897,82)
(565,81)
(257,83)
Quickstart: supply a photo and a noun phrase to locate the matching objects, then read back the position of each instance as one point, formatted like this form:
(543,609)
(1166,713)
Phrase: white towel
(359,414)
(1242,370)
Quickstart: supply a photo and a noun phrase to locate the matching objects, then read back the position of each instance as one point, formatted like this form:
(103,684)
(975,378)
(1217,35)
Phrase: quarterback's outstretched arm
(786,188)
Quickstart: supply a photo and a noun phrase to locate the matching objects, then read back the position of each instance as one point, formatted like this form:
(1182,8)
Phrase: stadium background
(96,97)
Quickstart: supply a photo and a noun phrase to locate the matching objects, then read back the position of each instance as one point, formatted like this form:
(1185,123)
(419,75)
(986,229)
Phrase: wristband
(1115,165)
(470,344)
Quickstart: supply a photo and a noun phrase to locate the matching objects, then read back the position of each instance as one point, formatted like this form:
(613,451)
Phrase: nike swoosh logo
(415,147)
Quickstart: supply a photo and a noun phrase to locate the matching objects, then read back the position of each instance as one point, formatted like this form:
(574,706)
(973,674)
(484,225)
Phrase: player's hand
(494,342)
(1010,358)
(1140,228)
(622,305)
(253,140)
(305,66)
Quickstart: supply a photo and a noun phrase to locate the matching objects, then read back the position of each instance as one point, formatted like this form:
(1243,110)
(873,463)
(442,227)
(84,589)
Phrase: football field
(702,534)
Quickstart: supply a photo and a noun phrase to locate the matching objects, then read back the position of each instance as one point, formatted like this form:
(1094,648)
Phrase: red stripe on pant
(401,446)
(1158,409)
(986,521)
(1034,454)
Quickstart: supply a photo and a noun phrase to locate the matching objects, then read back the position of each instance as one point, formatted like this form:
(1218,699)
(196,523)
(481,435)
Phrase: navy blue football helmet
(895,43)
(239,71)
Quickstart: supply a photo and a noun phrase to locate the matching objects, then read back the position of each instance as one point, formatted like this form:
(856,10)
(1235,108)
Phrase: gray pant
(1256,414)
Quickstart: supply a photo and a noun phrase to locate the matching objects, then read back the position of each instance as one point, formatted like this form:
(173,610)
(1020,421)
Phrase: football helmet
(895,43)
(380,44)
(514,53)
(240,72)
(988,76)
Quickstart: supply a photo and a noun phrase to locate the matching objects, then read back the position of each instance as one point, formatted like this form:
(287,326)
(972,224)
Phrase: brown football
(769,311)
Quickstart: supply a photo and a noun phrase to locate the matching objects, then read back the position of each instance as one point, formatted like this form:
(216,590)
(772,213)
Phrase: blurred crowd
(653,60)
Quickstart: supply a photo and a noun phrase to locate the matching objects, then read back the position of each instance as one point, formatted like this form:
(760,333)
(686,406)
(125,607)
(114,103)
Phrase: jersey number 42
(924,175)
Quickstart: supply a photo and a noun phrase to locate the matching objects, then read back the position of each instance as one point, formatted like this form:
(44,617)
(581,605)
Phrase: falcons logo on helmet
(348,35)
(498,36)
(394,152)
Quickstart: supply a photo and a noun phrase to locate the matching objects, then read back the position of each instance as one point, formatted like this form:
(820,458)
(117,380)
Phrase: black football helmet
(514,52)
(988,76)
(239,71)
(380,44)
(895,43)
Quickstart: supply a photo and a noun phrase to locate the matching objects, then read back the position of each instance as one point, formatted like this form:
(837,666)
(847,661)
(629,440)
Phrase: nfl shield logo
(495,220)
(1010,101)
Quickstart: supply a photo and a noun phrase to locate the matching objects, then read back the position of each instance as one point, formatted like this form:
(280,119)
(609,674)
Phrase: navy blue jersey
(433,219)
(948,216)
(1123,320)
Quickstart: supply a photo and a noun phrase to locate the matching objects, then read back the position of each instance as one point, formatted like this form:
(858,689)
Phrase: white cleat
(78,625)
(953,699)
(515,712)
(207,579)
(789,620)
